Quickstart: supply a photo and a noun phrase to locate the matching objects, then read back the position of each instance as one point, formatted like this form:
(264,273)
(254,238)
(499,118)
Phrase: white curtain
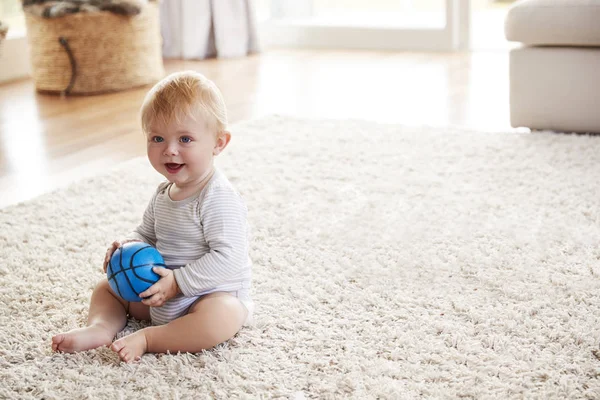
(198,29)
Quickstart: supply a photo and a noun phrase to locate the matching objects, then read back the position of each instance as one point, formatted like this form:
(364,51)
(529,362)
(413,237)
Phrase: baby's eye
(157,139)
(185,139)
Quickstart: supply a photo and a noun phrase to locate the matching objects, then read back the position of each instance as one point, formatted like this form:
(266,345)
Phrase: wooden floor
(47,142)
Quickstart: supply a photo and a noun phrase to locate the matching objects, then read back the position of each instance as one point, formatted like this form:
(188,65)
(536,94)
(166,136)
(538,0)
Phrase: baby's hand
(166,288)
(114,246)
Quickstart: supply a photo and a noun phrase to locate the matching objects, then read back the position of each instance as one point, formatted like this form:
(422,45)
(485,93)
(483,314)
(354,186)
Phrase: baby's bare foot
(81,339)
(132,347)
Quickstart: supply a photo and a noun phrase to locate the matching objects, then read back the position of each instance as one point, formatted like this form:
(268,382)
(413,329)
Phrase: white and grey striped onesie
(204,240)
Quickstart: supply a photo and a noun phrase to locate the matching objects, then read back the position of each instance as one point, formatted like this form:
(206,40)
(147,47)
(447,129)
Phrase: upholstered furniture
(555,73)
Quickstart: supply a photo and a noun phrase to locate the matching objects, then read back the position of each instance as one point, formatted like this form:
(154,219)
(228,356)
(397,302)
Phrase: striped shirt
(203,238)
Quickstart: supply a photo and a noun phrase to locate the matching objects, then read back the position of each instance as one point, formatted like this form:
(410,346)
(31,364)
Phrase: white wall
(14,59)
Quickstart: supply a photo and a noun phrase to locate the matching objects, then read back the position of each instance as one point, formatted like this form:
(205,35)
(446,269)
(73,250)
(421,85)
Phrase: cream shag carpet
(390,262)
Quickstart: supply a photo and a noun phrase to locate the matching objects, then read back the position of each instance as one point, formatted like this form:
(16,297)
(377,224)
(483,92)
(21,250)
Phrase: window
(367,24)
(378,13)
(262,8)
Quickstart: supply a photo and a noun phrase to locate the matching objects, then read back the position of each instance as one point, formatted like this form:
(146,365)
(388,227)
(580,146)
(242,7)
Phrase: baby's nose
(171,150)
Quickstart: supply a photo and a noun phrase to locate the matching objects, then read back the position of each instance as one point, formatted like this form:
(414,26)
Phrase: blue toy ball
(130,272)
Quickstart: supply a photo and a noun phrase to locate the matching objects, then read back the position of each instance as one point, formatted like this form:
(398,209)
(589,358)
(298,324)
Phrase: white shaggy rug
(390,262)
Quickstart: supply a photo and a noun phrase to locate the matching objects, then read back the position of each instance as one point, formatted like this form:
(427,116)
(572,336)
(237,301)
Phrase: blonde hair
(186,93)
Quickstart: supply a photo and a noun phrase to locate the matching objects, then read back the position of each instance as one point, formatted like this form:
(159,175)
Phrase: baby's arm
(223,216)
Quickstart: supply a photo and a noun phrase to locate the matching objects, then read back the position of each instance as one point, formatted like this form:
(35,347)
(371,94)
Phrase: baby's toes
(56,341)
(117,346)
(125,354)
(128,357)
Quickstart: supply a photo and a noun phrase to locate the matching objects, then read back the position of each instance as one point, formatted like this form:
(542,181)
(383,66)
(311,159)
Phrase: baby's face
(182,151)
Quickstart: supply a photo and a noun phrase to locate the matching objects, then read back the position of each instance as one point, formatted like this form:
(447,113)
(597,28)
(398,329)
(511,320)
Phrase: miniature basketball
(129,271)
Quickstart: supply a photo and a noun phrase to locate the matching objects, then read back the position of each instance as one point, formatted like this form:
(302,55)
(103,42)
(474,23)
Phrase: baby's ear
(223,139)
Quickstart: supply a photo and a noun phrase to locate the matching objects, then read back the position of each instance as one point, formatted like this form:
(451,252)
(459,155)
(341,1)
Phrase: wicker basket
(88,53)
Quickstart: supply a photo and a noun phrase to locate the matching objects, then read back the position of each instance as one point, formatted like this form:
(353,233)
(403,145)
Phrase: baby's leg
(107,316)
(214,319)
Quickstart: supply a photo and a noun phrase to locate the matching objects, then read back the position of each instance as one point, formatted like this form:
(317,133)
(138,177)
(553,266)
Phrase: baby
(196,220)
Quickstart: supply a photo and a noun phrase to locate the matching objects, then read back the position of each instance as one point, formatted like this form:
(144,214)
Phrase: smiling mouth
(173,168)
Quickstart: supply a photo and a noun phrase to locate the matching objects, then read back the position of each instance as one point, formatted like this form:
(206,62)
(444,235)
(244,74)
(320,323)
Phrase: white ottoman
(555,75)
